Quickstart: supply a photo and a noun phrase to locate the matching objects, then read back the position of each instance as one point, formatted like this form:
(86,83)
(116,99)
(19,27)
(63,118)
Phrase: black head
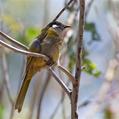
(57,24)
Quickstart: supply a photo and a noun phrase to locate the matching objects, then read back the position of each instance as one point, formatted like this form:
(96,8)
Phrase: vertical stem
(74,96)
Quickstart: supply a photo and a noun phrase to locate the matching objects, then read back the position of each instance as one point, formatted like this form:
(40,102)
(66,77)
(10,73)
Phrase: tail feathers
(22,94)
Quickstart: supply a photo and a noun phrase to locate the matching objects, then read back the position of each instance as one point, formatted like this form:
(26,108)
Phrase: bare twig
(60,101)
(23,51)
(10,39)
(42,95)
(74,96)
(58,15)
(62,84)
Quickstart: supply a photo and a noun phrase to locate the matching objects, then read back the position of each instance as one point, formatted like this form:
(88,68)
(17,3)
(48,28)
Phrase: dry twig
(24,52)
(74,96)
(10,39)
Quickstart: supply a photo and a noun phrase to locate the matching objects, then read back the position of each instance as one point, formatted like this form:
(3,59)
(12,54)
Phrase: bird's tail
(22,93)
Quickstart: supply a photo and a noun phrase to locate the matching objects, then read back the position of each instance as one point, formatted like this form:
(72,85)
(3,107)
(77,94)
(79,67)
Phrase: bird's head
(58,26)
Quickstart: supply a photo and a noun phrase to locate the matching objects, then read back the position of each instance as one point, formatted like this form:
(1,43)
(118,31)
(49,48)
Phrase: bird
(48,43)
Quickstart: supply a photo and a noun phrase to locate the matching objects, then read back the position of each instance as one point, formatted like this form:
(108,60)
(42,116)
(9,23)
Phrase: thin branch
(62,84)
(12,40)
(80,40)
(63,10)
(74,96)
(23,51)
(60,101)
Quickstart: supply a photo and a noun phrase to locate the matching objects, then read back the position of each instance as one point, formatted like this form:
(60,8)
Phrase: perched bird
(48,43)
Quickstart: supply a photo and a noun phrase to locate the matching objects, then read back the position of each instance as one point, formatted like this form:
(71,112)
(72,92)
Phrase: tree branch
(74,96)
(23,51)
(60,101)
(10,39)
(62,84)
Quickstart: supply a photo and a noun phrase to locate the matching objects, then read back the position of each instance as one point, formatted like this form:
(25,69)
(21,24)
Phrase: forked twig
(12,40)
(23,51)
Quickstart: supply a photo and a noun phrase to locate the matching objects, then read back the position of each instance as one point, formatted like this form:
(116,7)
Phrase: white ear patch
(54,26)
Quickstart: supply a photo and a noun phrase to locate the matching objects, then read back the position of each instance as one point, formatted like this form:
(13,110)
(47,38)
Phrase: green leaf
(31,32)
(91,68)
(92,28)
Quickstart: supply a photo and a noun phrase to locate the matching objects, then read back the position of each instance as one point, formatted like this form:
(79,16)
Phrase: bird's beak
(67,26)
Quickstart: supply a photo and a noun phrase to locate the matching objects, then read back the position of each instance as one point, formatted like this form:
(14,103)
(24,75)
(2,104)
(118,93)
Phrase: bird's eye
(54,26)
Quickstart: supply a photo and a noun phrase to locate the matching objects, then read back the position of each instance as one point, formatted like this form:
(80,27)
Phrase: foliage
(90,26)
(90,67)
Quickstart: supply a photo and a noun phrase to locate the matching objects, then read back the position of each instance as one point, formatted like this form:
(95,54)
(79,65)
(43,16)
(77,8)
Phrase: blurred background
(99,88)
